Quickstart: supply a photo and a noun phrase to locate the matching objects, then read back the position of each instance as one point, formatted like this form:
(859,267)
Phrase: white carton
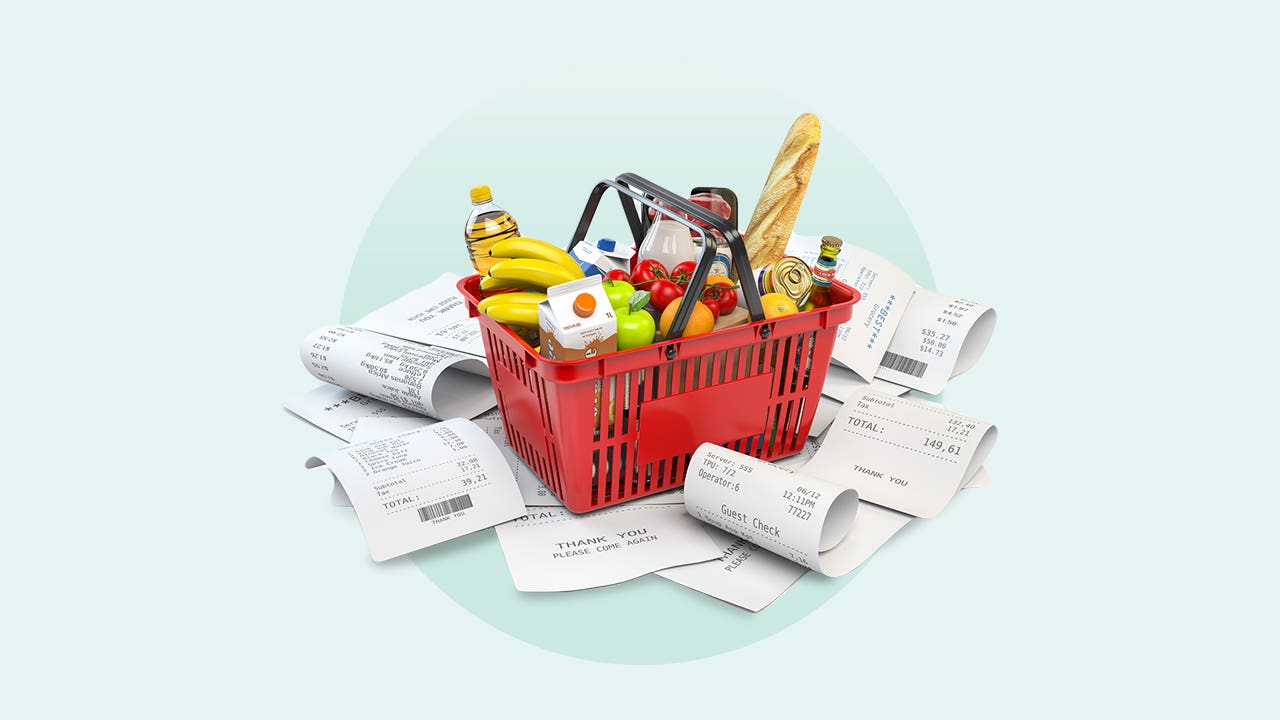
(576,321)
(598,257)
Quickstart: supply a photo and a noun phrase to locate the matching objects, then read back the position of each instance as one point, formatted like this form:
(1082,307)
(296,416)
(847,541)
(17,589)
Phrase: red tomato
(683,272)
(714,307)
(725,297)
(622,275)
(646,272)
(662,291)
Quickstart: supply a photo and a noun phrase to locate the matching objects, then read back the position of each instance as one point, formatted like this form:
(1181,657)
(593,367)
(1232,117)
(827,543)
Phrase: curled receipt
(804,519)
(426,379)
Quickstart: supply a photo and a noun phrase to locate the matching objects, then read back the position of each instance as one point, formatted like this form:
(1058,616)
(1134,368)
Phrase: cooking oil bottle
(487,225)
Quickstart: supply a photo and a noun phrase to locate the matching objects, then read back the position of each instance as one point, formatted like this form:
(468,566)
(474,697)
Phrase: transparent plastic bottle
(487,225)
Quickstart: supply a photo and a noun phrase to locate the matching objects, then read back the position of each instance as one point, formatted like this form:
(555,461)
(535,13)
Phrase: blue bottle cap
(606,245)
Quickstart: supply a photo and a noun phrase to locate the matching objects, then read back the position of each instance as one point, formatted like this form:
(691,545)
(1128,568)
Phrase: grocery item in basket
(668,242)
(487,225)
(788,275)
(771,224)
(777,304)
(619,292)
(701,319)
(599,257)
(576,321)
(527,247)
(824,271)
(529,274)
(635,324)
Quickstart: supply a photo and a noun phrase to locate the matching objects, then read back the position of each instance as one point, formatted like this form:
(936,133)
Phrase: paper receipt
(426,379)
(336,410)
(901,454)
(804,519)
(551,549)
(434,314)
(937,338)
(425,486)
(885,289)
(745,575)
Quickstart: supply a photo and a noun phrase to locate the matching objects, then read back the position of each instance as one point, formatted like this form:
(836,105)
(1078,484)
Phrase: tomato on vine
(662,292)
(646,272)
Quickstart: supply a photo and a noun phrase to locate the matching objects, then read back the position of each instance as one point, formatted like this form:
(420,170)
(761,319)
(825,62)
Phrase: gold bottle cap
(830,241)
(481,194)
(584,305)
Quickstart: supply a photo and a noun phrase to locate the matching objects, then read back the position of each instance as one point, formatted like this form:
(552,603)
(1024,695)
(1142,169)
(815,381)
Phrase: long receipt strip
(900,454)
(336,410)
(551,549)
(434,315)
(938,337)
(900,332)
(802,518)
(426,379)
(751,577)
(422,487)
(355,418)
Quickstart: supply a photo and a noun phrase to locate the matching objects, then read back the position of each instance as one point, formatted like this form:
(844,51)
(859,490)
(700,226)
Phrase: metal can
(788,275)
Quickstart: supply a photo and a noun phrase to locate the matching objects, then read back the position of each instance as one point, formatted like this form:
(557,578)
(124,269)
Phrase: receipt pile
(428,458)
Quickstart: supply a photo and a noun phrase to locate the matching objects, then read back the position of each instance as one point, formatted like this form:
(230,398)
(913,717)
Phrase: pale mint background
(182,193)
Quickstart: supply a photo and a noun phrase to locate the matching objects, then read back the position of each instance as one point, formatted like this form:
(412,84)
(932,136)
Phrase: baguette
(775,215)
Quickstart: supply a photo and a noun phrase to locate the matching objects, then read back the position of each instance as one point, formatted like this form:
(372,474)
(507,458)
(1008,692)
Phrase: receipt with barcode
(902,454)
(422,487)
(900,332)
(885,288)
(937,338)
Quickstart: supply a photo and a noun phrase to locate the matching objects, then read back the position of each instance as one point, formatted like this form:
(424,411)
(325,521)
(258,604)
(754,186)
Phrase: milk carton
(576,321)
(598,257)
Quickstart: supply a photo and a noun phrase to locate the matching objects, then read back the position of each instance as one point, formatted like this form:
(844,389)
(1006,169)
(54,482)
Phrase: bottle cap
(830,241)
(606,244)
(481,194)
(584,305)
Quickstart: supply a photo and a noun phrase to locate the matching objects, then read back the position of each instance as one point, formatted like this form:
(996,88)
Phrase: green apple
(635,324)
(619,293)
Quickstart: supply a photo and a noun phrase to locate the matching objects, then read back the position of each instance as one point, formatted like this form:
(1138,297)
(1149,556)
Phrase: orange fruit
(776,304)
(700,322)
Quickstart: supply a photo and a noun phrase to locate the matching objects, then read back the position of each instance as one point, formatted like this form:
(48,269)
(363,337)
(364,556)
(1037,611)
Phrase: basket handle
(647,194)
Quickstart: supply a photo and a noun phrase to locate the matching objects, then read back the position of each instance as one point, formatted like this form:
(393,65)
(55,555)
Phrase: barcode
(444,507)
(894,361)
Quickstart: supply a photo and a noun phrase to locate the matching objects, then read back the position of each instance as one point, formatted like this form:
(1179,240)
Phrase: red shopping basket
(605,430)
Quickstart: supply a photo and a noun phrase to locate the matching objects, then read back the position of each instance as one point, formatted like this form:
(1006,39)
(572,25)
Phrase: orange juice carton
(576,321)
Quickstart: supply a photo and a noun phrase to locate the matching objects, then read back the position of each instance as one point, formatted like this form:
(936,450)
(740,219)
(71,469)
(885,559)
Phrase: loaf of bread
(775,215)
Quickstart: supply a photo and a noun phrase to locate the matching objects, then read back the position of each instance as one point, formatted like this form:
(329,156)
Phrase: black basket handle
(630,185)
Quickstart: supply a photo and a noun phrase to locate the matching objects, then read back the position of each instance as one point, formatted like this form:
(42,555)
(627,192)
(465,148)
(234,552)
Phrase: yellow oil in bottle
(487,225)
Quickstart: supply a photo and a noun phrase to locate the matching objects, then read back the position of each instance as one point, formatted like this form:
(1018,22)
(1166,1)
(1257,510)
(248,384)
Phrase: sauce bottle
(824,271)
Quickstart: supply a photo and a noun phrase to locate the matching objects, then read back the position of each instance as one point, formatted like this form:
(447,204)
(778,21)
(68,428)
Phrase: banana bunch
(527,265)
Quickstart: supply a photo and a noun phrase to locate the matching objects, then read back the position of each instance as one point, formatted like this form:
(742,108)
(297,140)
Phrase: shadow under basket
(604,430)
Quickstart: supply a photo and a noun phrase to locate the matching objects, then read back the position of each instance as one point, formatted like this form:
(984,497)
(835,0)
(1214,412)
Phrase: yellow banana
(526,298)
(521,314)
(492,283)
(524,247)
(532,272)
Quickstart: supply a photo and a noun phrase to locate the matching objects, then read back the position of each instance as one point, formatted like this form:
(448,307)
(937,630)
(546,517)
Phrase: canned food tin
(788,275)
